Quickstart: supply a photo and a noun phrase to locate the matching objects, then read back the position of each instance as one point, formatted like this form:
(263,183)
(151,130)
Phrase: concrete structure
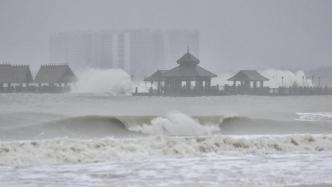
(187,79)
(136,51)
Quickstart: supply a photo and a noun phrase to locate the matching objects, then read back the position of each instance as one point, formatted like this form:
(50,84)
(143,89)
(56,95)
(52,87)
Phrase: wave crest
(176,123)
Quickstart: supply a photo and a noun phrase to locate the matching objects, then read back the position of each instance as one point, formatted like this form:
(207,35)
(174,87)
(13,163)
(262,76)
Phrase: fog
(239,34)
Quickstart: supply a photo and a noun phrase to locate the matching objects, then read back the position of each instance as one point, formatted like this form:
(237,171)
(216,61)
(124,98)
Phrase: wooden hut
(248,82)
(188,78)
(14,77)
(5,77)
(21,77)
(55,78)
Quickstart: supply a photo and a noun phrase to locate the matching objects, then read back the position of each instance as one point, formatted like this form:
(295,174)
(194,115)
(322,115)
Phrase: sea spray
(277,78)
(176,123)
(286,78)
(109,81)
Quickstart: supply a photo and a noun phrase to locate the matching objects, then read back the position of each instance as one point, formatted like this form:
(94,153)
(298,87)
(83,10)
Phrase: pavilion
(250,82)
(15,78)
(188,78)
(55,78)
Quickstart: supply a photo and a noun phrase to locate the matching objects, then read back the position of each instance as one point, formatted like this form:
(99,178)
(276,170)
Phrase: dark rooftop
(15,74)
(188,59)
(248,75)
(156,76)
(5,73)
(188,68)
(189,71)
(21,74)
(55,74)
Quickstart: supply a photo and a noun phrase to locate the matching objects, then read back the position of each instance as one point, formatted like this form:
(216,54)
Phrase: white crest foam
(176,123)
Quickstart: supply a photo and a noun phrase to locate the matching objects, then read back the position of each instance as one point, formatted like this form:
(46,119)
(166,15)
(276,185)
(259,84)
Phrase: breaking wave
(176,123)
(172,124)
(110,81)
(58,151)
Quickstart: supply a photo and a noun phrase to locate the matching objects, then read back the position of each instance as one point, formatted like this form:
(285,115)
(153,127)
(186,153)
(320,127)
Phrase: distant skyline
(234,34)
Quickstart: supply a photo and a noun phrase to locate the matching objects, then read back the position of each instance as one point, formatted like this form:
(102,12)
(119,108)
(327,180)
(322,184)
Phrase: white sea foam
(109,81)
(57,151)
(320,116)
(176,123)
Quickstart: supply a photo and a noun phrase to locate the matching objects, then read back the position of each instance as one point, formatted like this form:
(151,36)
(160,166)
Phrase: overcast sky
(234,34)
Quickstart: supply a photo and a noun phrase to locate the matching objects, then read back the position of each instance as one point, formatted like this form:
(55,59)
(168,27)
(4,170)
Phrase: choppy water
(99,140)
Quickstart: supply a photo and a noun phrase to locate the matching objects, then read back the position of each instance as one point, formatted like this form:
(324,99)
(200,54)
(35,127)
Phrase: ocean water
(101,140)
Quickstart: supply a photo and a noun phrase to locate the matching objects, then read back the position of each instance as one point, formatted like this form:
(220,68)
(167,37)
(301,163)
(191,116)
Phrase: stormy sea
(101,140)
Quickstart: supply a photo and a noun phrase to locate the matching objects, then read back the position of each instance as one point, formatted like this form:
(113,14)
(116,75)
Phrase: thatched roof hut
(15,74)
(55,74)
(5,73)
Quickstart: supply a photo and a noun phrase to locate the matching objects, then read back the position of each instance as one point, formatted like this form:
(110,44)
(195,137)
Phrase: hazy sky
(234,34)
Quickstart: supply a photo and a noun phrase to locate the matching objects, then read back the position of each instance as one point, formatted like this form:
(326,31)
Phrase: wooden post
(255,84)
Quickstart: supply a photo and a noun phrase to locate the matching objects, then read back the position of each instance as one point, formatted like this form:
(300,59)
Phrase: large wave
(57,151)
(172,124)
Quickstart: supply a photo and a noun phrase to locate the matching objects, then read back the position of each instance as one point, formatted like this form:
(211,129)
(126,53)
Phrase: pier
(49,79)
(190,79)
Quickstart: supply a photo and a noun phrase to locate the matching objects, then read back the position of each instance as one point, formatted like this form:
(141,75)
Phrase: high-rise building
(136,51)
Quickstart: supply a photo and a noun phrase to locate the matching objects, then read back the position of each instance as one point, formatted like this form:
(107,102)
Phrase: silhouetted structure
(55,78)
(21,78)
(248,82)
(188,78)
(5,77)
(15,78)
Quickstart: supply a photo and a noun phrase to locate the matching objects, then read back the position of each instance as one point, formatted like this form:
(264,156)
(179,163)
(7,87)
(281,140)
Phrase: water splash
(109,81)
(176,123)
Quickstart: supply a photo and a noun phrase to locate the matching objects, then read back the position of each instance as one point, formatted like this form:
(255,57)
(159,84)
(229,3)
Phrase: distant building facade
(136,51)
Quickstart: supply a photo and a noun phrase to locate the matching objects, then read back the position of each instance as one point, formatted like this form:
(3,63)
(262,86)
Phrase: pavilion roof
(15,74)
(189,72)
(188,59)
(248,75)
(156,76)
(55,74)
(21,74)
(5,73)
(188,68)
